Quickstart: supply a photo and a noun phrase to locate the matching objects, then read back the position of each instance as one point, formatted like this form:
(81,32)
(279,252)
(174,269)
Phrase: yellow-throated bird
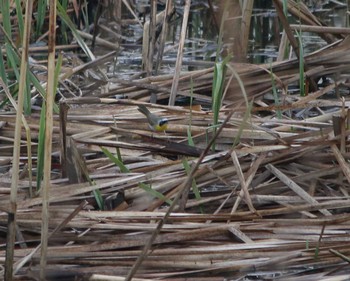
(155,122)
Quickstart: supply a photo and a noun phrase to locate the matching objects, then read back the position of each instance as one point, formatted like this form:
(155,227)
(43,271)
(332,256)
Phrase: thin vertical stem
(152,37)
(168,11)
(50,92)
(11,233)
(175,84)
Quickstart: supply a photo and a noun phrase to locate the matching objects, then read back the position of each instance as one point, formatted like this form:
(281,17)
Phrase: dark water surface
(201,43)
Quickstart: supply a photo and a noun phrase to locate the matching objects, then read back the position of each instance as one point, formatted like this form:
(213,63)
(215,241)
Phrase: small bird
(155,122)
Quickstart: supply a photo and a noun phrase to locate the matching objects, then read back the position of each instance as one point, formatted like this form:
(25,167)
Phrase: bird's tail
(144,110)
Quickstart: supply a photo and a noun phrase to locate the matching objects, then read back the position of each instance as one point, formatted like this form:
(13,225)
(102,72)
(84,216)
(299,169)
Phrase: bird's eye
(163,122)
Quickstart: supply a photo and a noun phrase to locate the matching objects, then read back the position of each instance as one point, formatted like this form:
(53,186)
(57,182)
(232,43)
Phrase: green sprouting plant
(285,7)
(42,126)
(65,18)
(40,17)
(116,160)
(218,90)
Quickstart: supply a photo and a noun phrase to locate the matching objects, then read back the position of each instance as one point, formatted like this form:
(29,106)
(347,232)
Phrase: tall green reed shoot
(40,17)
(42,125)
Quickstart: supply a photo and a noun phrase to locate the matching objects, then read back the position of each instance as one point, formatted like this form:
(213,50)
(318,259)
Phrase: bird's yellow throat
(161,127)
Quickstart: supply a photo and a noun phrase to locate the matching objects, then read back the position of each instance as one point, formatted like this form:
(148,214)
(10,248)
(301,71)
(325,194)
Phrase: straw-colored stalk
(11,233)
(50,93)
(175,84)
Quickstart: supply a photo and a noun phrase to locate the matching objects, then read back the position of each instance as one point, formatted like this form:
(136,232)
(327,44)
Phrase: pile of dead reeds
(264,195)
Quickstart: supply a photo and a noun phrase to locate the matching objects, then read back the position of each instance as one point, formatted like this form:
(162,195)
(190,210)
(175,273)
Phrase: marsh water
(201,43)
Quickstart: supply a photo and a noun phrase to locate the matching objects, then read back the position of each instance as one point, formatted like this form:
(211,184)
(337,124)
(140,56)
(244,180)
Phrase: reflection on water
(266,29)
(201,44)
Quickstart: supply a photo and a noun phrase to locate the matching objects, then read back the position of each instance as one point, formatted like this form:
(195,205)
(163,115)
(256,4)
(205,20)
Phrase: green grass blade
(14,91)
(58,69)
(98,197)
(63,34)
(285,7)
(41,14)
(5,13)
(13,60)
(3,74)
(119,155)
(115,160)
(41,90)
(218,90)
(154,193)
(63,15)
(20,17)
